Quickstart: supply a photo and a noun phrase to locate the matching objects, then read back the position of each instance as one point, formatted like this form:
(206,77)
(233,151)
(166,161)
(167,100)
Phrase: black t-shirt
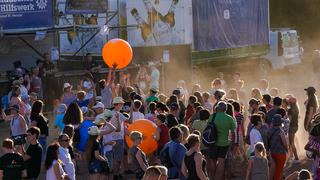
(12,165)
(171,121)
(96,147)
(42,124)
(33,164)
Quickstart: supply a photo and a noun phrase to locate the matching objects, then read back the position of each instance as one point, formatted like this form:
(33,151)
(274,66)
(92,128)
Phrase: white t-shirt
(137,115)
(50,175)
(155,77)
(65,157)
(113,121)
(255,137)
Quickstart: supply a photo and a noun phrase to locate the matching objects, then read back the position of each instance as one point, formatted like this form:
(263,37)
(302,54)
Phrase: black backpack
(210,133)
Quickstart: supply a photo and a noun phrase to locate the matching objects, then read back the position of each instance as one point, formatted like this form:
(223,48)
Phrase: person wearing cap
(68,95)
(98,108)
(224,124)
(80,99)
(311,107)
(58,122)
(152,96)
(117,121)
(88,85)
(278,146)
(94,156)
(139,159)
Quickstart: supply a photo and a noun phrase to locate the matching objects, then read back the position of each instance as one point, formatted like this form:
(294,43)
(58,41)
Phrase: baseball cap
(118,100)
(66,85)
(98,105)
(310,89)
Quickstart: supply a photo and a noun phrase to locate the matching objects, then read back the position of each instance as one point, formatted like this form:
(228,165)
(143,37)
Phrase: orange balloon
(117,51)
(148,129)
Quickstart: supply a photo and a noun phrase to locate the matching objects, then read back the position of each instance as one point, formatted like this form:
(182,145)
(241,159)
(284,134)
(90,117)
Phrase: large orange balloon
(148,129)
(117,51)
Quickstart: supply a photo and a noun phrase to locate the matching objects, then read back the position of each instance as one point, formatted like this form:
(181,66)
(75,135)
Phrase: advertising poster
(165,22)
(86,6)
(25,14)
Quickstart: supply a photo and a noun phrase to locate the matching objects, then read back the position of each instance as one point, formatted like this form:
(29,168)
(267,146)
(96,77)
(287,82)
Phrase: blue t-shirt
(83,103)
(84,136)
(59,122)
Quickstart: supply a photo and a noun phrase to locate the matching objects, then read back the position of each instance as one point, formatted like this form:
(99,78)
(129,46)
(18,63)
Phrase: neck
(33,142)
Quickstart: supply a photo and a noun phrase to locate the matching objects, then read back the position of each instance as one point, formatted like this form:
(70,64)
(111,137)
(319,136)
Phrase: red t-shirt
(164,136)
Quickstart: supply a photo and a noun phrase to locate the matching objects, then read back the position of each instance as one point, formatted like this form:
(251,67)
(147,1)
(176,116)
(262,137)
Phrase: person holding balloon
(139,160)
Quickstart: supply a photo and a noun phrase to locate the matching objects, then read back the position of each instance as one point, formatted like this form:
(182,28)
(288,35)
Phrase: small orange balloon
(148,129)
(117,52)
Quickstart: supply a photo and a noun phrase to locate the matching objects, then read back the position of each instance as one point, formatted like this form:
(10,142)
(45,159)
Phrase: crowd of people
(255,128)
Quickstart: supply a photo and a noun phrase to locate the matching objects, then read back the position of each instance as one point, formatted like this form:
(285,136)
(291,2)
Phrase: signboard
(86,6)
(224,24)
(21,14)
(165,22)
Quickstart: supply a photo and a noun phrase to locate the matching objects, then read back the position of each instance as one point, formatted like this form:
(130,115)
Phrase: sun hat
(100,120)
(66,85)
(93,131)
(118,100)
(310,89)
(107,114)
(98,105)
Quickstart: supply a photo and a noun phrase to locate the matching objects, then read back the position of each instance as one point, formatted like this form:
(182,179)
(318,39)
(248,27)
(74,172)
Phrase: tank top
(15,126)
(259,170)
(136,166)
(276,146)
(50,175)
(191,166)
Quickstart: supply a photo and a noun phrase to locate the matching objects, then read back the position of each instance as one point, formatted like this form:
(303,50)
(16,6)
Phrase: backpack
(210,133)
(165,158)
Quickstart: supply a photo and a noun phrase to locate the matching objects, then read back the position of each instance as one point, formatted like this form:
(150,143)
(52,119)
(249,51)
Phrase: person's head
(254,104)
(236,76)
(161,107)
(220,75)
(277,101)
(264,84)
(196,132)
(153,91)
(51,155)
(192,100)
(204,115)
(304,174)
(239,84)
(73,115)
(216,84)
(263,115)
(266,99)
(219,94)
(274,92)
(230,110)
(35,71)
(161,119)
(181,84)
(37,108)
(162,98)
(46,56)
(233,94)
(98,107)
(64,140)
(175,133)
(102,83)
(259,149)
(174,107)
(39,63)
(199,96)
(185,131)
(221,107)
(33,134)
(152,107)
(173,99)
(256,120)
(136,137)
(205,96)
(282,112)
(117,103)
(310,91)
(67,87)
(196,87)
(196,106)
(277,120)
(15,91)
(69,130)
(7,145)
(193,141)
(17,64)
(81,95)
(137,105)
(152,173)
(236,106)
(255,93)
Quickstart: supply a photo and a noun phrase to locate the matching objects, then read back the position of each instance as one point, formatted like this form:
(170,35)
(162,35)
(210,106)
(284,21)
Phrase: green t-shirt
(152,99)
(224,124)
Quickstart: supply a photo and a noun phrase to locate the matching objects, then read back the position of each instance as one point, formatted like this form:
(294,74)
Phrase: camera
(19,139)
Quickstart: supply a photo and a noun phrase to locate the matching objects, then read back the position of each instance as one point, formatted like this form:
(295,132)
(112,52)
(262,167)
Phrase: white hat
(66,85)
(100,120)
(93,130)
(118,100)
(107,113)
(62,108)
(84,109)
(87,84)
(98,105)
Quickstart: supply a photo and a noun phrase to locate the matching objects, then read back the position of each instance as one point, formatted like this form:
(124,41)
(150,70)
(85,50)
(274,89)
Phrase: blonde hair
(259,147)
(134,135)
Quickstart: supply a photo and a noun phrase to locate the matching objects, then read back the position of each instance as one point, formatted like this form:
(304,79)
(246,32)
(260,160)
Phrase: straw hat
(93,131)
(100,120)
